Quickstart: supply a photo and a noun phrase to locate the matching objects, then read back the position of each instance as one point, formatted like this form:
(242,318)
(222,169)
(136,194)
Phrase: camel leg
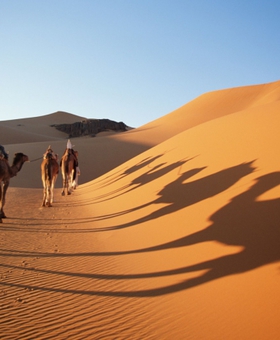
(44,196)
(64,187)
(51,193)
(68,186)
(3,189)
(48,201)
(71,182)
(48,197)
(1,201)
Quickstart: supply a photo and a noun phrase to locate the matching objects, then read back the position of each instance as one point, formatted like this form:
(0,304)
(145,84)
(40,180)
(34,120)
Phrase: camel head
(19,159)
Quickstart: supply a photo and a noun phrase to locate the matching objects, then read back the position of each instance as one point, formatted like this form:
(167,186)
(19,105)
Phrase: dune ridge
(172,234)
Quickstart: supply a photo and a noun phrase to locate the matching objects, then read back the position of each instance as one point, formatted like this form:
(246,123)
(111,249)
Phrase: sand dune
(173,233)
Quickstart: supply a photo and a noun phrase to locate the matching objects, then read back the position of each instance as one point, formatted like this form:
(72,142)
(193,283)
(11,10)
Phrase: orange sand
(173,233)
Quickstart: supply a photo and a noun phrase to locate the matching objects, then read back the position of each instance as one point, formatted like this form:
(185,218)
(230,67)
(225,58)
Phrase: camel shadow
(182,193)
(152,174)
(116,176)
(245,221)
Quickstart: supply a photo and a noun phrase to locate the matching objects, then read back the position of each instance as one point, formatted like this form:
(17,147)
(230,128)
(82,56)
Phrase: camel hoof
(63,193)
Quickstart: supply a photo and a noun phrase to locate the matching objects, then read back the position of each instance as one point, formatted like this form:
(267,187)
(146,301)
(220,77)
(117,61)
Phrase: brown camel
(68,166)
(49,172)
(7,172)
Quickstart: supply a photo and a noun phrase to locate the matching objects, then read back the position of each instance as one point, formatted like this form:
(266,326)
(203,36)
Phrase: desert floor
(173,232)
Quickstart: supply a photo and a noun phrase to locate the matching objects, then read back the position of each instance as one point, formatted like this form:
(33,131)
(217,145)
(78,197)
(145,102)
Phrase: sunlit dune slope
(195,221)
(213,105)
(176,238)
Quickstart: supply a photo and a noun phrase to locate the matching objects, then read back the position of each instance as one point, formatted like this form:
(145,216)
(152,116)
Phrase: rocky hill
(90,127)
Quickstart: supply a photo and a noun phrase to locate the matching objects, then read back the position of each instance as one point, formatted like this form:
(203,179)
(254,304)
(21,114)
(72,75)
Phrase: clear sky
(131,60)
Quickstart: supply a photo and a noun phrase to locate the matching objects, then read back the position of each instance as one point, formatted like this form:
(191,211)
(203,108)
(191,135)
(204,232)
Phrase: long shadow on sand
(246,221)
(179,195)
(147,177)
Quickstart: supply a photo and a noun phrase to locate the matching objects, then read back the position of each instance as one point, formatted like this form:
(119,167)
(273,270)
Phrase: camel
(68,166)
(49,172)
(7,172)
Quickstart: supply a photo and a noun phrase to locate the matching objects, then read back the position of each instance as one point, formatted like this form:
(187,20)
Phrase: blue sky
(131,60)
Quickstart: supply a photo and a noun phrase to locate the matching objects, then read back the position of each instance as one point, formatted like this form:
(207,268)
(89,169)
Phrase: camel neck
(14,169)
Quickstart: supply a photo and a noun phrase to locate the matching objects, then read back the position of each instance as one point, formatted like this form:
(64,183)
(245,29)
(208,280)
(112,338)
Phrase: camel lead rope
(34,160)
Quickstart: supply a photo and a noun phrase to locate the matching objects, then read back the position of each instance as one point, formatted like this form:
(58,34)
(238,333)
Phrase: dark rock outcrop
(90,127)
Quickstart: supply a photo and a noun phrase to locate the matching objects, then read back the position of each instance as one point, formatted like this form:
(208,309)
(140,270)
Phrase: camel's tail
(48,170)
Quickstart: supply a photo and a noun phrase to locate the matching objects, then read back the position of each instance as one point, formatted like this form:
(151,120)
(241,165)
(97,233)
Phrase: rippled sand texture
(173,233)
